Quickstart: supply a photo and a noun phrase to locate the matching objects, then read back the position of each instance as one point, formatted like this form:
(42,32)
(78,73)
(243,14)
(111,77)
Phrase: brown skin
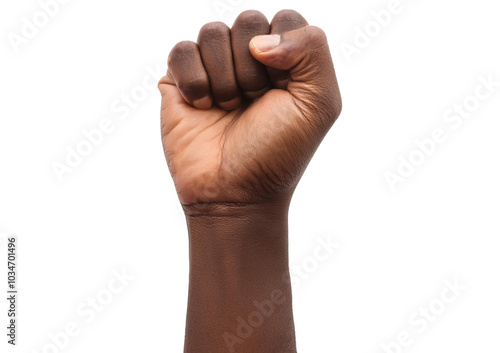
(241,119)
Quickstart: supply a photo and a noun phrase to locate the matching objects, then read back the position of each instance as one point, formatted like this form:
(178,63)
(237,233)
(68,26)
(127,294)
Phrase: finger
(251,75)
(186,67)
(284,21)
(214,41)
(305,53)
(171,96)
(171,100)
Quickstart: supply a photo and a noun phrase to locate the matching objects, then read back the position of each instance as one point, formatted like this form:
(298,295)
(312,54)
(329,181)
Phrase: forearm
(239,295)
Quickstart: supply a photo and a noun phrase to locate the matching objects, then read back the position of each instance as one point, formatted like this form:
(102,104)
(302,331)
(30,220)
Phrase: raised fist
(244,109)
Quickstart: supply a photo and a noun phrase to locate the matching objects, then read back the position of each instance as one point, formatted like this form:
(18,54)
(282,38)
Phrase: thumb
(306,55)
(303,52)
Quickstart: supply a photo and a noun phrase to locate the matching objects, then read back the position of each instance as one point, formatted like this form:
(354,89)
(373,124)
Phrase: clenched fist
(244,108)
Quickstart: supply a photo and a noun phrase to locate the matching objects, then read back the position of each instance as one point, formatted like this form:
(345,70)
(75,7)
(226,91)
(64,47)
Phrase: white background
(118,208)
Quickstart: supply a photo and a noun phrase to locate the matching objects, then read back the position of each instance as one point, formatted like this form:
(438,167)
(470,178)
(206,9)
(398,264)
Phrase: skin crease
(240,121)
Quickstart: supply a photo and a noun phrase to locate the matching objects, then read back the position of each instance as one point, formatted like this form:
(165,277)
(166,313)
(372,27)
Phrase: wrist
(276,206)
(239,278)
(238,241)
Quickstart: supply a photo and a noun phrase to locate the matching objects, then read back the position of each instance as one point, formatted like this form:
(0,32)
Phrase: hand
(244,109)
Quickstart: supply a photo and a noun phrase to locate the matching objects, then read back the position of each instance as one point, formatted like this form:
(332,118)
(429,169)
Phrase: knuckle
(213,30)
(315,34)
(250,16)
(287,15)
(182,49)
